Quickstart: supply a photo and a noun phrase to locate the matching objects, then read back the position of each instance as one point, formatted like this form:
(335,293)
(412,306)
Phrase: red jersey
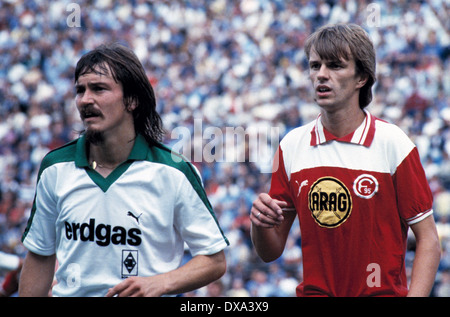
(355,197)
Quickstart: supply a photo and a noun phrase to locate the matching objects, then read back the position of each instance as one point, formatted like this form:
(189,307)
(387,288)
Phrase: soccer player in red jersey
(355,182)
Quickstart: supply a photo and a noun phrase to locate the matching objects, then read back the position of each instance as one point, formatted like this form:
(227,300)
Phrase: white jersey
(135,222)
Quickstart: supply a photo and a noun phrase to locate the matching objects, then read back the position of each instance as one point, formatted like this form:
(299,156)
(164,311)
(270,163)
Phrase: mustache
(89,111)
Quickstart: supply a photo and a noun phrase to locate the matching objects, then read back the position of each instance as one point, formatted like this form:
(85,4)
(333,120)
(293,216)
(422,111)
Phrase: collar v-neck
(138,152)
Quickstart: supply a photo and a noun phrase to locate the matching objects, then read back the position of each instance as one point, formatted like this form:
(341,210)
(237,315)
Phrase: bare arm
(37,275)
(199,271)
(427,257)
(270,227)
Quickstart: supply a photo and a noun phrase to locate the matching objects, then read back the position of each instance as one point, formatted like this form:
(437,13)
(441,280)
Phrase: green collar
(138,152)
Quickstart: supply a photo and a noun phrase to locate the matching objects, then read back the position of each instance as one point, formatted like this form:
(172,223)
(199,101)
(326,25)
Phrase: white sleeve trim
(419,217)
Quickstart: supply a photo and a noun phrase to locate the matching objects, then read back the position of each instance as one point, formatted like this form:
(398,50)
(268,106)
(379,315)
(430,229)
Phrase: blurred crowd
(224,63)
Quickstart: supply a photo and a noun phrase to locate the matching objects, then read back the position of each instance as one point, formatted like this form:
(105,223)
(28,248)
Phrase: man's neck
(111,152)
(342,122)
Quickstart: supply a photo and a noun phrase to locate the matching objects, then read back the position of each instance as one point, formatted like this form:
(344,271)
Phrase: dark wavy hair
(127,70)
(333,42)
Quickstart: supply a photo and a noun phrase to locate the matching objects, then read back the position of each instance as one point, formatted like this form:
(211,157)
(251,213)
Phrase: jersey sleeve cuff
(213,249)
(419,217)
(39,251)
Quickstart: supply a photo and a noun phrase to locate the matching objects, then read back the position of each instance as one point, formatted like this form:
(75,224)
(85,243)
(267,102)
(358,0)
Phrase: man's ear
(131,104)
(363,78)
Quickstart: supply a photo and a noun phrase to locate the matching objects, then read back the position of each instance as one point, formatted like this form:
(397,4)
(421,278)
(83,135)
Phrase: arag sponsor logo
(330,202)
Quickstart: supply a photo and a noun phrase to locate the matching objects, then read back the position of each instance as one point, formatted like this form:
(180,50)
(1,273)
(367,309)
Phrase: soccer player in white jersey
(115,208)
(355,182)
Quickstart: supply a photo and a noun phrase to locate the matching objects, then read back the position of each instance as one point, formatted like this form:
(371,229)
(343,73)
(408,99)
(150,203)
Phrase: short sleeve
(196,221)
(40,235)
(414,197)
(279,187)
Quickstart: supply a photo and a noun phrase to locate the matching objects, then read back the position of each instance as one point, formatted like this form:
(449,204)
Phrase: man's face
(335,83)
(99,99)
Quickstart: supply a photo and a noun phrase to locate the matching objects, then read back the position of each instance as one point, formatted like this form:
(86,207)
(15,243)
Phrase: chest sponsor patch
(330,202)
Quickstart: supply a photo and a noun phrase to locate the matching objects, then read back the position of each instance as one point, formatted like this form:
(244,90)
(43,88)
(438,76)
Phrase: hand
(267,212)
(138,287)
